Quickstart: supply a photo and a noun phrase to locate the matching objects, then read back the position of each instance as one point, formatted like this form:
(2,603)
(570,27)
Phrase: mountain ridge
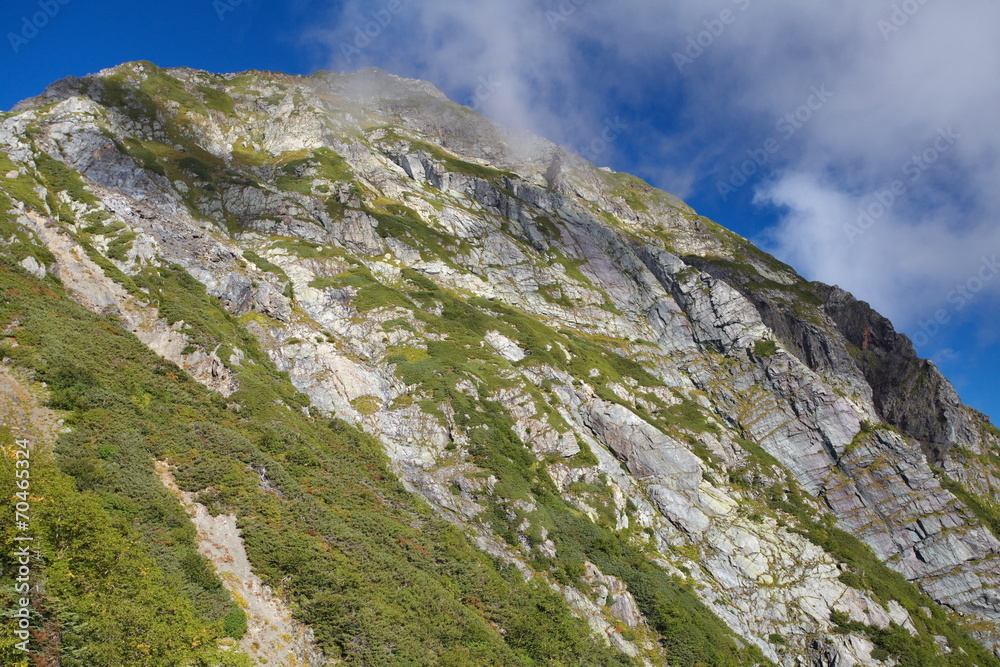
(593,384)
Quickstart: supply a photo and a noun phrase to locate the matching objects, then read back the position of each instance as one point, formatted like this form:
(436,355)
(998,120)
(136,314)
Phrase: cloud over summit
(901,76)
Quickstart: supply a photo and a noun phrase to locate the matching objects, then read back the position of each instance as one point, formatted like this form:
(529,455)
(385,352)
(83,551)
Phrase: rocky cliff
(668,435)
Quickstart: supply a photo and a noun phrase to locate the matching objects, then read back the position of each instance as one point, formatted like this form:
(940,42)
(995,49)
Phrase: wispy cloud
(569,67)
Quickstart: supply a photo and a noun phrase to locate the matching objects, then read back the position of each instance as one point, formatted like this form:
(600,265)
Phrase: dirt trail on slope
(273,637)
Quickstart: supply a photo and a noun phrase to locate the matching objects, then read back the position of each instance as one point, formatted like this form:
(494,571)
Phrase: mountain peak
(469,399)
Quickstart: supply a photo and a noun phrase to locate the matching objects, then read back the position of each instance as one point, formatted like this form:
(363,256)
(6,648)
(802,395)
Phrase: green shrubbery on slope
(373,571)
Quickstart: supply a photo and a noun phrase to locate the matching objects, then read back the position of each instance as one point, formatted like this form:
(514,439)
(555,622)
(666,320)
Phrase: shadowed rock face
(907,392)
(436,281)
(910,393)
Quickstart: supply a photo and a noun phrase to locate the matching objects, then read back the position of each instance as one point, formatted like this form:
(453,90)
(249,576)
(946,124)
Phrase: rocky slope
(599,388)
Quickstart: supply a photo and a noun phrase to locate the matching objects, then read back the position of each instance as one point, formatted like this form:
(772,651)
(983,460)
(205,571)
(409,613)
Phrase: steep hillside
(332,370)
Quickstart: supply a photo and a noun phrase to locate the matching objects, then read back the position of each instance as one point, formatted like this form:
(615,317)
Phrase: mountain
(331,370)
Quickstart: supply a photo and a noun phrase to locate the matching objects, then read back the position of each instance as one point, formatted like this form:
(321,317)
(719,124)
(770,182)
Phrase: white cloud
(908,269)
(561,74)
(461,46)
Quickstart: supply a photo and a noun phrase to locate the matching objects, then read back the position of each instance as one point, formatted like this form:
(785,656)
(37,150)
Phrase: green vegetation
(333,530)
(797,299)
(124,584)
(201,172)
(115,92)
(986,513)
(765,348)
(402,222)
(20,187)
(196,168)
(142,101)
(100,226)
(892,642)
(174,154)
(327,165)
(628,188)
(305,249)
(110,600)
(689,416)
(60,178)
(235,623)
(157,85)
(459,166)
(120,246)
(217,100)
(376,573)
(548,227)
(265,265)
(325,283)
(691,635)
(867,430)
(367,405)
(18,242)
(56,178)
(747,275)
(146,158)
(555,295)
(160,85)
(371,294)
(182,298)
(637,193)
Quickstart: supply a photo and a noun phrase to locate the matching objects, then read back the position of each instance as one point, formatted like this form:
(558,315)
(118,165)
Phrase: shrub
(765,348)
(367,405)
(235,624)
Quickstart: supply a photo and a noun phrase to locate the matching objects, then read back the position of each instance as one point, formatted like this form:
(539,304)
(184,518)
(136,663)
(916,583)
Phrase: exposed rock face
(865,353)
(909,393)
(416,269)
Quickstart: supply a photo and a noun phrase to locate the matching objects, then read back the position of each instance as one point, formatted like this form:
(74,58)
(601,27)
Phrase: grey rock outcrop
(667,380)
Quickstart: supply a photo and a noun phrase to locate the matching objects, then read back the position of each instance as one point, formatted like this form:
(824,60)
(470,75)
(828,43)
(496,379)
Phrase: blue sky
(855,139)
